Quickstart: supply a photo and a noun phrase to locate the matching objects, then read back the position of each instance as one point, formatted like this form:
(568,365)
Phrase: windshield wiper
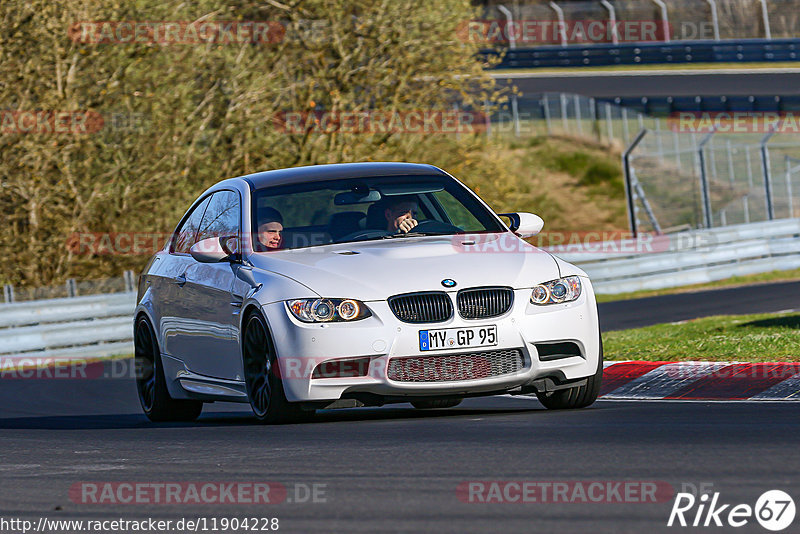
(410,234)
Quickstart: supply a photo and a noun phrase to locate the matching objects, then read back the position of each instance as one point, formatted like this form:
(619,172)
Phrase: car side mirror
(213,249)
(524,224)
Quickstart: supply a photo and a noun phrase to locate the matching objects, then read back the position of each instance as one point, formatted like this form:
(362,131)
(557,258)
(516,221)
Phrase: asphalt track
(762,298)
(396,469)
(392,469)
(601,84)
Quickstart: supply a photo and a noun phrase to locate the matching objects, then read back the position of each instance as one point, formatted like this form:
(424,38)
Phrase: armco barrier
(696,257)
(102,325)
(650,53)
(79,327)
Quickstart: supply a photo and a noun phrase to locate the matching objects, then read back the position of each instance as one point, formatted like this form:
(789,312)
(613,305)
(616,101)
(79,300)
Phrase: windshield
(363,209)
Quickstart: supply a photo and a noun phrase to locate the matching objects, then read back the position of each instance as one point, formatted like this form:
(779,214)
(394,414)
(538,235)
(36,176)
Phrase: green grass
(734,281)
(666,66)
(745,338)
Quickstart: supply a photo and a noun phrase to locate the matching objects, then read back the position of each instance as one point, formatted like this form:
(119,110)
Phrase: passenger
(270,229)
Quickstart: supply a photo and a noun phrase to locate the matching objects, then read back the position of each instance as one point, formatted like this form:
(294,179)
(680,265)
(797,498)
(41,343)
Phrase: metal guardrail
(78,327)
(696,257)
(650,53)
(102,325)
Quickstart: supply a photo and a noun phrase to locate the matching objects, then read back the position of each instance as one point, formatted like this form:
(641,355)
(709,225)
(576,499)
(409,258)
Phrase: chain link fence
(676,180)
(684,19)
(709,180)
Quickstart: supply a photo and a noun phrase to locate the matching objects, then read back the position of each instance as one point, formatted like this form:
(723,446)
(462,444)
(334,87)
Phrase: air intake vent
(432,307)
(455,367)
(484,302)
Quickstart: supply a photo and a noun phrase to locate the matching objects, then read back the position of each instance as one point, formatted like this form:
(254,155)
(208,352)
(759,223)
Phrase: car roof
(334,171)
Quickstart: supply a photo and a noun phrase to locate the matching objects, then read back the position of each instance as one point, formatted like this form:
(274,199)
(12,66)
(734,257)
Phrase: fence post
(546,106)
(72,288)
(595,118)
(664,19)
(629,191)
(562,98)
(515,114)
(706,198)
(562,25)
(766,172)
(659,142)
(765,17)
(645,203)
(677,147)
(714,18)
(612,18)
(789,185)
(746,205)
(609,126)
(129,285)
(578,119)
(625,132)
(512,38)
(749,165)
(712,159)
(731,172)
(8,293)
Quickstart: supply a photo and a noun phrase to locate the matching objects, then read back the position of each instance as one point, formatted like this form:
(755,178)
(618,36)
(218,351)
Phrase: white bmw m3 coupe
(358,285)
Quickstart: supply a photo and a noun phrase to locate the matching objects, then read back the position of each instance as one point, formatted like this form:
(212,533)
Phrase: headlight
(557,291)
(328,310)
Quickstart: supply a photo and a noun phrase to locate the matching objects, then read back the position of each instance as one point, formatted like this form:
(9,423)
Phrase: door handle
(180,281)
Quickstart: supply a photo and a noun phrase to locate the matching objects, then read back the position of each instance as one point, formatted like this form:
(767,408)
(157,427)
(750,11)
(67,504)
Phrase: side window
(184,237)
(222,216)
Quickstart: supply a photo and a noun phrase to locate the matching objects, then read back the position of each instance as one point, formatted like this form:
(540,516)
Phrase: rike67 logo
(774,510)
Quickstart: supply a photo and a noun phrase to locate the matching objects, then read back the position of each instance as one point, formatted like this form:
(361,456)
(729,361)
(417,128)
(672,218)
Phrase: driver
(270,229)
(401,215)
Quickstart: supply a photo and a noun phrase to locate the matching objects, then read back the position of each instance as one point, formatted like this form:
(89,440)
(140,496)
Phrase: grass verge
(734,281)
(744,338)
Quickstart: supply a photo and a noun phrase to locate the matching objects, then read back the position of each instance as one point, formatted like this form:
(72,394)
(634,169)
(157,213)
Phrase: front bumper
(301,347)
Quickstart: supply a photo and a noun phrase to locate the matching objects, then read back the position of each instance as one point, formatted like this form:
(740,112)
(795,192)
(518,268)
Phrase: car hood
(375,270)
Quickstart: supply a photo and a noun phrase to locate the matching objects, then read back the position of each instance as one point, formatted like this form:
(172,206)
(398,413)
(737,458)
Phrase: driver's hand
(407,225)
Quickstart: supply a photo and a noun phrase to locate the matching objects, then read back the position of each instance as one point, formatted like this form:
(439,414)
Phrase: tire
(577,397)
(435,403)
(262,378)
(151,385)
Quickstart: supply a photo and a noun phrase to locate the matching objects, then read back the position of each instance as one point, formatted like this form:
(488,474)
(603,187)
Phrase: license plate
(458,338)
